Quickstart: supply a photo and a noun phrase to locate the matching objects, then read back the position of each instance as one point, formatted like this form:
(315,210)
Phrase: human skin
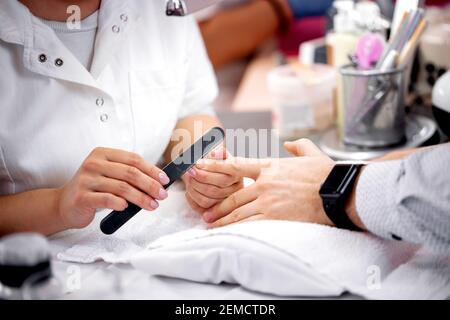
(284,189)
(108,178)
(56,10)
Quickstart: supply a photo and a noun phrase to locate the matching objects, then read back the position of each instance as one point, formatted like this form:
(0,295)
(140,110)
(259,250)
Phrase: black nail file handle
(174,170)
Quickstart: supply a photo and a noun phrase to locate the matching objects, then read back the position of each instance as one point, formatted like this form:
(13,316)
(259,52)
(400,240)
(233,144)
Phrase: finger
(254,218)
(213,178)
(246,211)
(134,177)
(134,160)
(99,200)
(214,192)
(239,167)
(303,147)
(201,200)
(233,202)
(291,147)
(193,205)
(125,191)
(220,153)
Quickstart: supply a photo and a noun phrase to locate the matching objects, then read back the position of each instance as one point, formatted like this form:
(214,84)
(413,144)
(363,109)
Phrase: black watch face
(336,180)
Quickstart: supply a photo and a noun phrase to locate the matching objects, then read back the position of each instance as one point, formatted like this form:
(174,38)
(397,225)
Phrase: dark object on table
(21,256)
(25,268)
(441,103)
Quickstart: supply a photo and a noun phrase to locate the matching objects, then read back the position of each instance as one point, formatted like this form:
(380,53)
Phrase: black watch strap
(339,217)
(335,192)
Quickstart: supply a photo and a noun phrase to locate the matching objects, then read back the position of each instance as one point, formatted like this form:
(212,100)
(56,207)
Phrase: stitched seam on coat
(3,163)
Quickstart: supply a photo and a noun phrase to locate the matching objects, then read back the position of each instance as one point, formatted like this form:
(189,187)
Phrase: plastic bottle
(341,44)
(302,97)
(342,41)
(370,19)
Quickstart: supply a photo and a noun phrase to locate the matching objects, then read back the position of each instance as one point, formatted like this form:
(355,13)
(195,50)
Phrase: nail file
(174,170)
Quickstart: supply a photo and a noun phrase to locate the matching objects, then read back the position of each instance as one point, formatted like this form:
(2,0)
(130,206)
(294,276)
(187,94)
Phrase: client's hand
(207,187)
(286,189)
(108,178)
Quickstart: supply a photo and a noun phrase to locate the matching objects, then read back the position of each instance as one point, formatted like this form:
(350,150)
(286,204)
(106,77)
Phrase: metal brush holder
(373,107)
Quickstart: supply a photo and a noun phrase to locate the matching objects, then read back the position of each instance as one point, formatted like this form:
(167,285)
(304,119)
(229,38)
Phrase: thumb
(303,148)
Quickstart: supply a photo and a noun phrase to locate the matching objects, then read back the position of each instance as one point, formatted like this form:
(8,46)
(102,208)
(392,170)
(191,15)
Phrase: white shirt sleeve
(201,84)
(408,199)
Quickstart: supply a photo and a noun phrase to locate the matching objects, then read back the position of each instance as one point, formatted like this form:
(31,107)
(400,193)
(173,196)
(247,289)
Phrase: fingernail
(192,172)
(200,164)
(154,204)
(213,154)
(163,178)
(162,194)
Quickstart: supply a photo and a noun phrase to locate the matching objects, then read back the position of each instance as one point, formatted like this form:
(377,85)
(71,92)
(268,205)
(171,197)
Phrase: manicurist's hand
(108,178)
(206,187)
(286,189)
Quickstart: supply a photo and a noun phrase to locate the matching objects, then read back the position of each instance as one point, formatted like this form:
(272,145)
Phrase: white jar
(302,99)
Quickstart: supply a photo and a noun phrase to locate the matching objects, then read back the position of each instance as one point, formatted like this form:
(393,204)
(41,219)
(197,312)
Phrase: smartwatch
(335,192)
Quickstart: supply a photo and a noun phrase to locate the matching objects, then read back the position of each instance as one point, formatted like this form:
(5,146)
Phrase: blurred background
(271,53)
(244,36)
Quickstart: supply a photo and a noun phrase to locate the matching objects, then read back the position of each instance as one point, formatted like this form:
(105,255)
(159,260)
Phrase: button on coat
(54,112)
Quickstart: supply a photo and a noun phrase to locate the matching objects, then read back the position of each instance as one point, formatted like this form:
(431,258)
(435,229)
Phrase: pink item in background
(369,50)
(437,2)
(301,30)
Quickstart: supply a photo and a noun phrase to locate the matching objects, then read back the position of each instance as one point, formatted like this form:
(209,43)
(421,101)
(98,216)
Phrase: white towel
(247,253)
(90,244)
(276,257)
